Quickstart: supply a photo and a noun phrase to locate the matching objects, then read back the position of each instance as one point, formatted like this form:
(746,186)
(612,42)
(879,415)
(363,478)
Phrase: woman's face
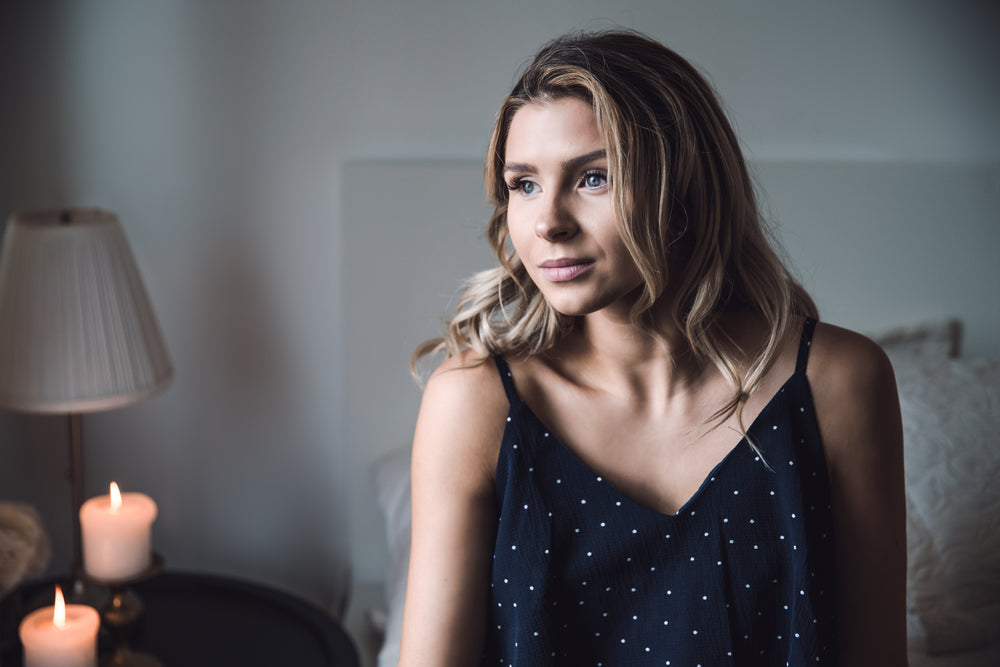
(560,212)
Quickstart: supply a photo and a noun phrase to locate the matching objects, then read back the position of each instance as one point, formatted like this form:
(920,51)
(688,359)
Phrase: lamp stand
(75,475)
(81,591)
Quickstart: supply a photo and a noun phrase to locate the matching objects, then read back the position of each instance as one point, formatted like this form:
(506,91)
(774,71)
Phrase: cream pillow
(951,422)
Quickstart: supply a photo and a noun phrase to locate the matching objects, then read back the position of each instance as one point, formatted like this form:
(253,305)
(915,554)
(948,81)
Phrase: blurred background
(242,142)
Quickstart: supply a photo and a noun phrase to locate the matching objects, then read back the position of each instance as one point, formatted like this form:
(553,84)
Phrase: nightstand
(197,620)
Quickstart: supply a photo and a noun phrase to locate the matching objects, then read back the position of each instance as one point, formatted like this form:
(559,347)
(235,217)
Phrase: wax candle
(64,635)
(117,534)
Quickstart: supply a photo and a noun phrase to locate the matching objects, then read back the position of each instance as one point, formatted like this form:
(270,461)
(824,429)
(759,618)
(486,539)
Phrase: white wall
(219,131)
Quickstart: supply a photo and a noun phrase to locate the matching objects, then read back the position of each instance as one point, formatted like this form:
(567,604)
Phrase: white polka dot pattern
(583,575)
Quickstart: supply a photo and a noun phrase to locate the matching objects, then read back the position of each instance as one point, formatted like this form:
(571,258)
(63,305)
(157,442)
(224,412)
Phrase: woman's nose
(555,222)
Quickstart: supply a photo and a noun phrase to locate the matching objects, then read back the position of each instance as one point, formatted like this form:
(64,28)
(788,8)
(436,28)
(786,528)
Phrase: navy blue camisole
(741,575)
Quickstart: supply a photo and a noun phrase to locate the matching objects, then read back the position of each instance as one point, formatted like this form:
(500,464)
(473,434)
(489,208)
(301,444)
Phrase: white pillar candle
(117,534)
(64,635)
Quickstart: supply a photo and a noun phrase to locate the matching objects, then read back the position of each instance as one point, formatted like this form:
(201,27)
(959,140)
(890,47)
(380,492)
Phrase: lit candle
(117,534)
(60,636)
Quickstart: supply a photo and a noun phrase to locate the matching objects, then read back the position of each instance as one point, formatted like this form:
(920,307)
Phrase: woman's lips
(563,269)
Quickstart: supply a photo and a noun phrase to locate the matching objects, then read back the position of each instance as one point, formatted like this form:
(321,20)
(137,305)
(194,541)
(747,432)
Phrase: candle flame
(116,497)
(59,615)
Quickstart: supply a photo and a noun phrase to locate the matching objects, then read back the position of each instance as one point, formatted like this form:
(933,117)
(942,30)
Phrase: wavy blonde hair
(683,198)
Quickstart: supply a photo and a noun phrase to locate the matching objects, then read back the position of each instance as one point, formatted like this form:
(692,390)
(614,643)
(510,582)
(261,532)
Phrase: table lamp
(77,331)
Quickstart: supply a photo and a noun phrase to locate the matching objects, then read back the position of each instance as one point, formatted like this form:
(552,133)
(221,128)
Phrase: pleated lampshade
(77,331)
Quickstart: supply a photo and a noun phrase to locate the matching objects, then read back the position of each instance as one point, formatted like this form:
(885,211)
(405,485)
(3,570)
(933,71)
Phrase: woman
(641,448)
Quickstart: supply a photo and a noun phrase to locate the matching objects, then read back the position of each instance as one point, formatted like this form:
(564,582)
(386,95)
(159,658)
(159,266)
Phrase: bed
(951,416)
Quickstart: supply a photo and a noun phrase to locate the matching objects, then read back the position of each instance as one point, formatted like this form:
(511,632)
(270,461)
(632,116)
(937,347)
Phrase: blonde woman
(641,448)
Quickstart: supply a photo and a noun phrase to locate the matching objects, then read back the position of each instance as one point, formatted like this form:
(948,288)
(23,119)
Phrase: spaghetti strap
(505,377)
(805,344)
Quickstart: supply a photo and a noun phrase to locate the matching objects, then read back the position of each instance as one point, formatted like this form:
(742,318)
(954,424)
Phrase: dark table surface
(190,620)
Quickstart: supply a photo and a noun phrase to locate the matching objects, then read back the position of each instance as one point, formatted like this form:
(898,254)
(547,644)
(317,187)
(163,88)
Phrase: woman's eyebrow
(520,167)
(568,165)
(575,163)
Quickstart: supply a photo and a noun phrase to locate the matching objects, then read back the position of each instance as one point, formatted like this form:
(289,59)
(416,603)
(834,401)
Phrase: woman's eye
(595,179)
(525,186)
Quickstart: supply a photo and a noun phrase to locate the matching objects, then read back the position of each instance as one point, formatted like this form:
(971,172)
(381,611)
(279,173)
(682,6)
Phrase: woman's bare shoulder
(462,417)
(844,359)
(467,381)
(853,386)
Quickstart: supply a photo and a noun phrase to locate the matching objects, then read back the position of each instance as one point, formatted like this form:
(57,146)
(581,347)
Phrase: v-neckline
(709,478)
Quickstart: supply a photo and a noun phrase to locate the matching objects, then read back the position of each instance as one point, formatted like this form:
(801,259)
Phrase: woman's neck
(607,350)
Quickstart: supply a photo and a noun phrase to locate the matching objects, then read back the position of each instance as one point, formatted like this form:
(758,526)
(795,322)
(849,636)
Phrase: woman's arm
(857,407)
(455,449)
